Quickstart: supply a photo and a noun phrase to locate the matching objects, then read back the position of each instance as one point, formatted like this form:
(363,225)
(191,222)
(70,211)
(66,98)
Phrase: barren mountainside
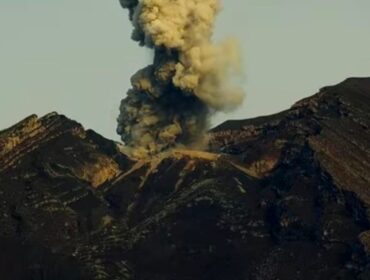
(285,196)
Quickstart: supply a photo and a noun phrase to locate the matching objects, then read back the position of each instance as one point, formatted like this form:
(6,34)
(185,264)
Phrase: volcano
(285,196)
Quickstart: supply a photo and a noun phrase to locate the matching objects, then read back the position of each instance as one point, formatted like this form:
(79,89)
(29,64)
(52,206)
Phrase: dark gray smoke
(171,100)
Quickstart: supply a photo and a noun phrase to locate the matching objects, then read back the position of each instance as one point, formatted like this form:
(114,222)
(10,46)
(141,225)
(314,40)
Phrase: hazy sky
(76,57)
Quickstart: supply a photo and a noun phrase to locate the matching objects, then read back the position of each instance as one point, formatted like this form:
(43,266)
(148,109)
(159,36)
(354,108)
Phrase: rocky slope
(279,197)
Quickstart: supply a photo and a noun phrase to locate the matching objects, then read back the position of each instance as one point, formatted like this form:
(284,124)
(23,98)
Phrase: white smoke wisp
(190,77)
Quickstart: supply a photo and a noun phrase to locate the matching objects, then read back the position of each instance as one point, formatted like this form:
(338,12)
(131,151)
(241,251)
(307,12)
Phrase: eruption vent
(171,100)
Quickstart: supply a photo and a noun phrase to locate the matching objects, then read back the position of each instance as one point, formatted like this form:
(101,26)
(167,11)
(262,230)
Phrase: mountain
(285,196)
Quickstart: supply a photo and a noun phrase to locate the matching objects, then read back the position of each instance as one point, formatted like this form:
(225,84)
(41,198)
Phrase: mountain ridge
(264,191)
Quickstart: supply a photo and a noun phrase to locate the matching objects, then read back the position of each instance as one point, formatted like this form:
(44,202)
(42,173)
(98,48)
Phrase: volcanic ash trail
(190,78)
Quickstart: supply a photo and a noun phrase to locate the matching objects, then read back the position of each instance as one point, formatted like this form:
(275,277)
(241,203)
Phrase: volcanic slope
(279,197)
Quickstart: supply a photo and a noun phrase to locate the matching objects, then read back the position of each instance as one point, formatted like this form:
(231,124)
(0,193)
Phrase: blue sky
(76,57)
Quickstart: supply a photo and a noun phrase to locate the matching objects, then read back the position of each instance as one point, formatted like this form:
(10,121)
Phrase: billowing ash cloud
(170,100)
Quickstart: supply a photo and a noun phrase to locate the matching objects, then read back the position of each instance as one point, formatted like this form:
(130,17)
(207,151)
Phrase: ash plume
(190,78)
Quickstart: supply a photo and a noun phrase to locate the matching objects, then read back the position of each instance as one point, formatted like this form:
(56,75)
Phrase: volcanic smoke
(191,78)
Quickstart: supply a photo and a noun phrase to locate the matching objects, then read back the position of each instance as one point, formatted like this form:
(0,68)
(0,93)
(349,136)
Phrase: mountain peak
(74,206)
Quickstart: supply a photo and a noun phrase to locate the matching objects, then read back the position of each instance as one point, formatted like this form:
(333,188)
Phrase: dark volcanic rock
(279,197)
